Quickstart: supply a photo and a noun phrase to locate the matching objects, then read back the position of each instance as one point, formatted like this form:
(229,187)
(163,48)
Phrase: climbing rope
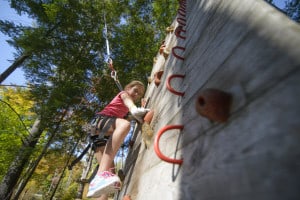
(108,59)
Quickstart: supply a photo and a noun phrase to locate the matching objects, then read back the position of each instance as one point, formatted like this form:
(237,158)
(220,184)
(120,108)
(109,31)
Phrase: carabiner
(113,74)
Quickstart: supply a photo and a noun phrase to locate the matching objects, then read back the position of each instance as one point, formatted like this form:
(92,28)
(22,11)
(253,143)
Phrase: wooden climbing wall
(247,49)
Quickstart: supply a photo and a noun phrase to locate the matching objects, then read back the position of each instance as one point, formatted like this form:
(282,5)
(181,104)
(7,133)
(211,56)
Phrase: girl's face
(135,92)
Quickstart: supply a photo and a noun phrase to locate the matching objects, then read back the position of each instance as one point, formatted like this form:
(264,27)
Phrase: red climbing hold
(156,144)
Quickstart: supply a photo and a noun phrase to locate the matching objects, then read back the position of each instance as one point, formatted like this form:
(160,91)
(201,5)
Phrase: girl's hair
(135,83)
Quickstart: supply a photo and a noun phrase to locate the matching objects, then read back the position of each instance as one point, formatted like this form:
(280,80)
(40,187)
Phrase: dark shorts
(100,125)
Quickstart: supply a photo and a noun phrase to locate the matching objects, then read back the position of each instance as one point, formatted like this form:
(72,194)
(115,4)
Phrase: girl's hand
(138,113)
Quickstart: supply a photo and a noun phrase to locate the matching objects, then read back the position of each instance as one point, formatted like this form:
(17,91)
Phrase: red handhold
(182,3)
(156,144)
(178,30)
(181,21)
(174,54)
(214,104)
(181,12)
(183,6)
(169,87)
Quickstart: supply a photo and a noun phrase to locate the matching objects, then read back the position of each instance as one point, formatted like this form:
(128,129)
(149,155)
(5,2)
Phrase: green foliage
(69,192)
(68,47)
(15,106)
(164,12)
(48,172)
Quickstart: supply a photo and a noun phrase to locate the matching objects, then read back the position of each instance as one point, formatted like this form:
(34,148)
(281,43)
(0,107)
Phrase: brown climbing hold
(162,48)
(147,134)
(149,79)
(170,29)
(214,104)
(126,197)
(147,131)
(166,53)
(148,117)
(157,77)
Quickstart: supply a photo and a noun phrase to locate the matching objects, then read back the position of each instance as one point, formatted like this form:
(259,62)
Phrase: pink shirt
(116,108)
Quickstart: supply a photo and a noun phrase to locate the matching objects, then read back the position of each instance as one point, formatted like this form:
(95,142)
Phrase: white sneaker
(104,183)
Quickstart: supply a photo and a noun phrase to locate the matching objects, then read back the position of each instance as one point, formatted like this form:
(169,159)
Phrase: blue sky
(7,13)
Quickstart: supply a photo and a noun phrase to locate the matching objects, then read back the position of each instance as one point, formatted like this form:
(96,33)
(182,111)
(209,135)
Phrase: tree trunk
(13,67)
(64,169)
(23,57)
(11,178)
(35,164)
(32,169)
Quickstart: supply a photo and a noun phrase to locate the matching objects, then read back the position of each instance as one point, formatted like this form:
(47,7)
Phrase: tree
(292,9)
(15,119)
(13,67)
(67,50)
(36,162)
(17,165)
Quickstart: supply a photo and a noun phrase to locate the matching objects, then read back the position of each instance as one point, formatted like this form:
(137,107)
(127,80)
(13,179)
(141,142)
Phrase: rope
(108,59)
(105,35)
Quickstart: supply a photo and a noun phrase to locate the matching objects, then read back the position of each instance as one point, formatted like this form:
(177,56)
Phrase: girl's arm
(136,112)
(128,101)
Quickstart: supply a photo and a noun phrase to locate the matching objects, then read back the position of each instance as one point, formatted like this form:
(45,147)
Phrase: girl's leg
(103,197)
(114,143)
(101,182)
(98,154)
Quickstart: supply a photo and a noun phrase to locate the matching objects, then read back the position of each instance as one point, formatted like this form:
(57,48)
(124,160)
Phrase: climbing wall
(226,121)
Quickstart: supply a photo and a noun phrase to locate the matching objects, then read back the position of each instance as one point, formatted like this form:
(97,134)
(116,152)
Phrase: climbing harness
(99,126)
(97,129)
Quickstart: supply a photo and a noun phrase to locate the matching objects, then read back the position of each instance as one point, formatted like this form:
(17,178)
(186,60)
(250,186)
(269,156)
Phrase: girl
(111,122)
